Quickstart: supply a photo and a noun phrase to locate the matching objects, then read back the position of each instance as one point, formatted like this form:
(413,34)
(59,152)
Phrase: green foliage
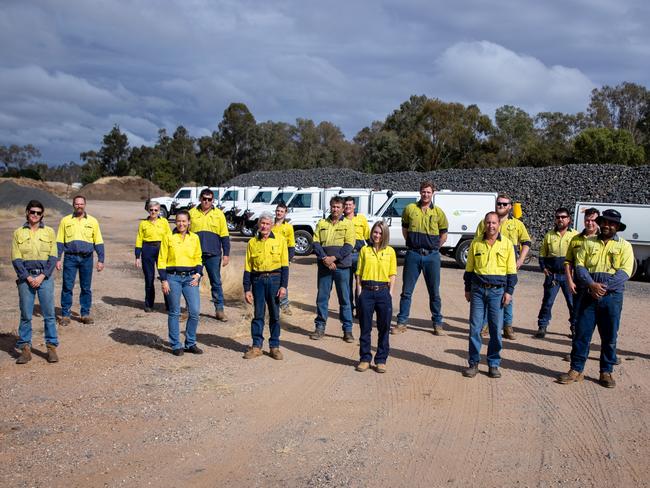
(18,157)
(601,145)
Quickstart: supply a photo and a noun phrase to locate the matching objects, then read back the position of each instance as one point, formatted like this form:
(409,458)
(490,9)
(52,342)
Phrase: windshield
(284,196)
(230,195)
(262,197)
(300,200)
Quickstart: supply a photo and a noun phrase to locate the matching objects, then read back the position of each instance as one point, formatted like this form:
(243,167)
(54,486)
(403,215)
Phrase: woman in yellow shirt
(375,276)
(147,245)
(180,268)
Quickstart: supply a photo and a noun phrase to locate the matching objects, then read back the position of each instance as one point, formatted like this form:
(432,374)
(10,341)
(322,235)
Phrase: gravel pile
(13,195)
(540,190)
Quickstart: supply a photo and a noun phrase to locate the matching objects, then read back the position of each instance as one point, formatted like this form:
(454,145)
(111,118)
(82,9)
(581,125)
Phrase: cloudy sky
(71,69)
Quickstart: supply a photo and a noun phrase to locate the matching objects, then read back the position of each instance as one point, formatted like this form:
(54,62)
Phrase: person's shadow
(138,338)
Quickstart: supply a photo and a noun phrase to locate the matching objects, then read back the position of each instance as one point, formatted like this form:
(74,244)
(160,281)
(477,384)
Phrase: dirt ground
(119,410)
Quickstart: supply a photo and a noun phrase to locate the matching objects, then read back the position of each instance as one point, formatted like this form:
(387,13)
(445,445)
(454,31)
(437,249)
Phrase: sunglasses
(503,204)
(561,216)
(154,210)
(207,199)
(35,212)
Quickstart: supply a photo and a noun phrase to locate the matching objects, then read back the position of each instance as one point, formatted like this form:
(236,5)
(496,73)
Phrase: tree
(516,133)
(277,145)
(18,157)
(112,159)
(181,154)
(601,145)
(237,135)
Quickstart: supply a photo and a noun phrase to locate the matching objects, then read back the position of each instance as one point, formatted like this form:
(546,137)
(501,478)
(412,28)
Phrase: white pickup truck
(184,198)
(636,218)
(264,201)
(464,211)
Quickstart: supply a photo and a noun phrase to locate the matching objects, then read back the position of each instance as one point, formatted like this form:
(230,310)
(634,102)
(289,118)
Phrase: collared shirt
(554,249)
(285,229)
(212,229)
(335,239)
(376,266)
(268,255)
(80,236)
(513,229)
(179,255)
(33,251)
(608,262)
(361,231)
(424,226)
(149,231)
(491,264)
(574,245)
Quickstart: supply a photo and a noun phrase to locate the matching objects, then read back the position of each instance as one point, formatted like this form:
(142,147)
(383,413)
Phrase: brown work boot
(438,330)
(276,353)
(572,376)
(64,321)
(253,352)
(52,356)
(220,316)
(509,333)
(25,355)
(88,320)
(484,331)
(606,380)
(470,371)
(363,366)
(398,329)
(380,368)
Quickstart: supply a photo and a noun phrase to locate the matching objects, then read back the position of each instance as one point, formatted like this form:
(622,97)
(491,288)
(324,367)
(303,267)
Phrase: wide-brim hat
(613,216)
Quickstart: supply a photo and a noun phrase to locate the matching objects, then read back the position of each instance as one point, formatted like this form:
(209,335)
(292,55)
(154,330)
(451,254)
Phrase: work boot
(317,334)
(363,366)
(220,316)
(485,331)
(286,310)
(541,333)
(509,333)
(276,353)
(253,352)
(493,372)
(25,355)
(606,380)
(380,368)
(148,309)
(52,356)
(178,352)
(572,376)
(194,349)
(438,330)
(347,336)
(87,319)
(471,371)
(64,321)
(398,329)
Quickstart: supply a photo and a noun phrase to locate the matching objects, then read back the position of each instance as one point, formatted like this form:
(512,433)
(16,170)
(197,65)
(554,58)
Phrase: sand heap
(16,196)
(123,188)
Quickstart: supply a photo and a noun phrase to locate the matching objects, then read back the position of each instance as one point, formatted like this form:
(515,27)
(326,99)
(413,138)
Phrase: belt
(265,274)
(423,252)
(82,254)
(376,287)
(151,243)
(181,273)
(35,272)
(485,285)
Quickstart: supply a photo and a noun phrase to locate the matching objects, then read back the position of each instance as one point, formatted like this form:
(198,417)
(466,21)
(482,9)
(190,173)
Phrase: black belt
(182,273)
(82,254)
(423,252)
(265,274)
(35,272)
(376,287)
(486,285)
(151,243)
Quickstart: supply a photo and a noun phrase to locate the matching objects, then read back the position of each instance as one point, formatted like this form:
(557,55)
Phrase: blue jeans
(604,314)
(485,301)
(265,292)
(180,285)
(213,269)
(370,302)
(26,296)
(429,265)
(553,284)
(149,261)
(340,277)
(353,289)
(84,264)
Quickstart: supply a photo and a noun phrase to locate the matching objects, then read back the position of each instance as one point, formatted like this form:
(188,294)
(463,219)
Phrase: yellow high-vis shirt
(513,229)
(377,266)
(212,230)
(574,245)
(361,230)
(149,231)
(80,236)
(608,262)
(285,229)
(179,255)
(268,255)
(33,251)
(331,239)
(491,264)
(554,249)
(424,227)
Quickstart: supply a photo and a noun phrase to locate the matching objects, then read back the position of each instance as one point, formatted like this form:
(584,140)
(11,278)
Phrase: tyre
(247,231)
(304,243)
(163,212)
(460,254)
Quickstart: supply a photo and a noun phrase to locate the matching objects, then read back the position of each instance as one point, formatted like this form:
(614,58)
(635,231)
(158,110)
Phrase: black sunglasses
(154,210)
(503,204)
(207,199)
(561,216)
(35,212)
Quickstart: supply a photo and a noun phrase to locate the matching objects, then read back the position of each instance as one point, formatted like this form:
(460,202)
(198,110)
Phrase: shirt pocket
(45,244)
(24,245)
(339,237)
(69,232)
(615,258)
(88,232)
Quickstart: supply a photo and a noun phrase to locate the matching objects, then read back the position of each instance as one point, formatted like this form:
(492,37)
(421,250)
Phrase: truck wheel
(460,254)
(647,269)
(635,268)
(163,212)
(304,244)
(247,231)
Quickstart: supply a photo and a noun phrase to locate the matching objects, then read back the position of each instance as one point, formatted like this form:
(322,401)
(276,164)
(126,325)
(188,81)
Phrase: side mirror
(389,221)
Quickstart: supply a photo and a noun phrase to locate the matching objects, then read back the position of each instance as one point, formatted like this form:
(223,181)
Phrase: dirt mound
(16,196)
(124,188)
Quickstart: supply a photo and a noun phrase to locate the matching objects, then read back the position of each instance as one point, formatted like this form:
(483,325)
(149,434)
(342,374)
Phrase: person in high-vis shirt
(361,234)
(603,264)
(333,243)
(147,245)
(180,268)
(78,236)
(551,261)
(490,278)
(282,227)
(590,230)
(209,223)
(34,256)
(375,279)
(266,277)
(515,230)
(424,227)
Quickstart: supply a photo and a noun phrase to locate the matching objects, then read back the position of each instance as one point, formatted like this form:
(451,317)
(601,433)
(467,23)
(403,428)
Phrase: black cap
(613,216)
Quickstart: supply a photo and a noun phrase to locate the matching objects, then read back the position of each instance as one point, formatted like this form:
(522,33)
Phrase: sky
(72,69)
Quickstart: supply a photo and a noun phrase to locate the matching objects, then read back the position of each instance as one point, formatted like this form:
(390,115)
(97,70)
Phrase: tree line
(423,134)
